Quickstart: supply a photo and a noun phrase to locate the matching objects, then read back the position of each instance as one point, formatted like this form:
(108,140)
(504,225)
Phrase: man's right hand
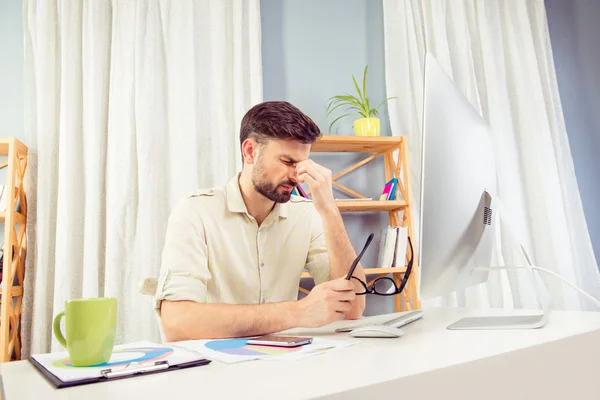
(327,302)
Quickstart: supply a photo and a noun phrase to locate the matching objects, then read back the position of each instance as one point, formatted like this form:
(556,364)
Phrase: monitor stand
(529,321)
(501,322)
(497,322)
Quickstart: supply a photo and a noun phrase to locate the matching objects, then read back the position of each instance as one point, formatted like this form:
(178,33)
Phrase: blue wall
(575,34)
(311,49)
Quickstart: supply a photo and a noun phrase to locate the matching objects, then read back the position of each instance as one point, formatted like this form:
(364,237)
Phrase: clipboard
(128,370)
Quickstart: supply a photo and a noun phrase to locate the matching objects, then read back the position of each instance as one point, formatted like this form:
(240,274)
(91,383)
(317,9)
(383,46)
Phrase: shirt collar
(235,201)
(236,204)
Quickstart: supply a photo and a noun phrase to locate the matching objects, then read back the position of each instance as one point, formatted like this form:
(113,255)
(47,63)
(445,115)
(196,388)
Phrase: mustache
(288,183)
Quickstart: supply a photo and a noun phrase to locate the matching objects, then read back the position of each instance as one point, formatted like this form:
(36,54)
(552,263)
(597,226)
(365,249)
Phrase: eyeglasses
(381,286)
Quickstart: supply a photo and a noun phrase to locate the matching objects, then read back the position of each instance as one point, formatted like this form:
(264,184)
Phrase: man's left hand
(318,179)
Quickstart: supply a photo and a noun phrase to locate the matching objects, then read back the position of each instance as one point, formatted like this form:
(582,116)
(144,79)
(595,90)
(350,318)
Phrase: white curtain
(499,54)
(131,105)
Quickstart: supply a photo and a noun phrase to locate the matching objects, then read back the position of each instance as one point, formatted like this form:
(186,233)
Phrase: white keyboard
(396,322)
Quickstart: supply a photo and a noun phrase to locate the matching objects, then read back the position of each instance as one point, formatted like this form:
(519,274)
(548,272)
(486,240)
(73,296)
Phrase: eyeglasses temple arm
(355,263)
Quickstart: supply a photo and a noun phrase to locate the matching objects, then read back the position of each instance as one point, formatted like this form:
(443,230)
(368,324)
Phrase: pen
(355,263)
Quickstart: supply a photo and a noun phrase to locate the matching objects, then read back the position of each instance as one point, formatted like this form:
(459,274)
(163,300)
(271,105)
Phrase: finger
(306,178)
(305,162)
(339,294)
(312,171)
(311,167)
(310,163)
(340,315)
(346,295)
(342,285)
(343,306)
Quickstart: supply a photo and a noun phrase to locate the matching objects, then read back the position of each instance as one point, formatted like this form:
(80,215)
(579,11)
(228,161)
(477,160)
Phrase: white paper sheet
(238,350)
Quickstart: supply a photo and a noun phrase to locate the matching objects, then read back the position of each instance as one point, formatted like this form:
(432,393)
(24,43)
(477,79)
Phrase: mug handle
(57,332)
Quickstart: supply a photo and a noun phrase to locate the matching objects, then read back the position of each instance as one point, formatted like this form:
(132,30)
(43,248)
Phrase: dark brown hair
(278,120)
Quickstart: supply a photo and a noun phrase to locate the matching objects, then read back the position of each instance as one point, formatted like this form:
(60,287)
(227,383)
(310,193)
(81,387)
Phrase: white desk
(560,361)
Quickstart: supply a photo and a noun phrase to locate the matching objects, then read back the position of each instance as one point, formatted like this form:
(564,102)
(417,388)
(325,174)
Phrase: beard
(271,191)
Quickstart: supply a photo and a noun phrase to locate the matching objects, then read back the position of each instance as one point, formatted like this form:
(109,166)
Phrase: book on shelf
(298,191)
(392,247)
(389,190)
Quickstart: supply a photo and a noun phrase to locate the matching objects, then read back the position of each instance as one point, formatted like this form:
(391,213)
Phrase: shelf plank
(356,144)
(19,218)
(370,205)
(7,142)
(15,291)
(373,271)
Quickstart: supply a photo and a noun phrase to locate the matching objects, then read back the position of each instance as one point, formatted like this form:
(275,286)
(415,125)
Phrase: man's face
(274,171)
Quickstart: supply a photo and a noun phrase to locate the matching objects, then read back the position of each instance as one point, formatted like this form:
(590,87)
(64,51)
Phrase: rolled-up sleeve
(317,261)
(184,272)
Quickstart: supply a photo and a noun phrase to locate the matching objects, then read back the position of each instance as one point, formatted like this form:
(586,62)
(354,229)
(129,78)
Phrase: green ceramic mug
(90,326)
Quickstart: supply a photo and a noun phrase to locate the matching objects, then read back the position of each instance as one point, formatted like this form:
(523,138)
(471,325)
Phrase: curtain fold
(130,106)
(499,54)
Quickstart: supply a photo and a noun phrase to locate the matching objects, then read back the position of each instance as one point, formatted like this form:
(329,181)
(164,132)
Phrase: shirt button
(262,264)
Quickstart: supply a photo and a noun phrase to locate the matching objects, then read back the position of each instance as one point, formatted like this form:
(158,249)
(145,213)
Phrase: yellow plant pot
(366,127)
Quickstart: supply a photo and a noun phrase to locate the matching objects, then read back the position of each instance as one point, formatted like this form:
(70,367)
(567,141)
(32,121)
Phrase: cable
(591,298)
(507,219)
(584,293)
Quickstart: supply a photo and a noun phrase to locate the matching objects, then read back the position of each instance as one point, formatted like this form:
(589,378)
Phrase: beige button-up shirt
(215,252)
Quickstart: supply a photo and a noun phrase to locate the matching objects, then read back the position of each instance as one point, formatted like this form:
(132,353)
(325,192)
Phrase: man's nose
(292,176)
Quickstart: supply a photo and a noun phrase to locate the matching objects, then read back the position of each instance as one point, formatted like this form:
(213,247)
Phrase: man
(233,256)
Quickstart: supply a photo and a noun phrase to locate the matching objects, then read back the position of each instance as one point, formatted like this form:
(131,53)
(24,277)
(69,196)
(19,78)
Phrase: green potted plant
(367,124)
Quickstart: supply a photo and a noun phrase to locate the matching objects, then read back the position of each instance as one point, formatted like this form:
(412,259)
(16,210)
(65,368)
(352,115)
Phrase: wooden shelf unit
(389,147)
(19,218)
(15,238)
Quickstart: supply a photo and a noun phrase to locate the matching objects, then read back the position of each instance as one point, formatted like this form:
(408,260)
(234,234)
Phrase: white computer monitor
(458,171)
(457,199)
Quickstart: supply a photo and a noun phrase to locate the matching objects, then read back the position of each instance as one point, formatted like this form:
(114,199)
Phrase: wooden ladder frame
(13,272)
